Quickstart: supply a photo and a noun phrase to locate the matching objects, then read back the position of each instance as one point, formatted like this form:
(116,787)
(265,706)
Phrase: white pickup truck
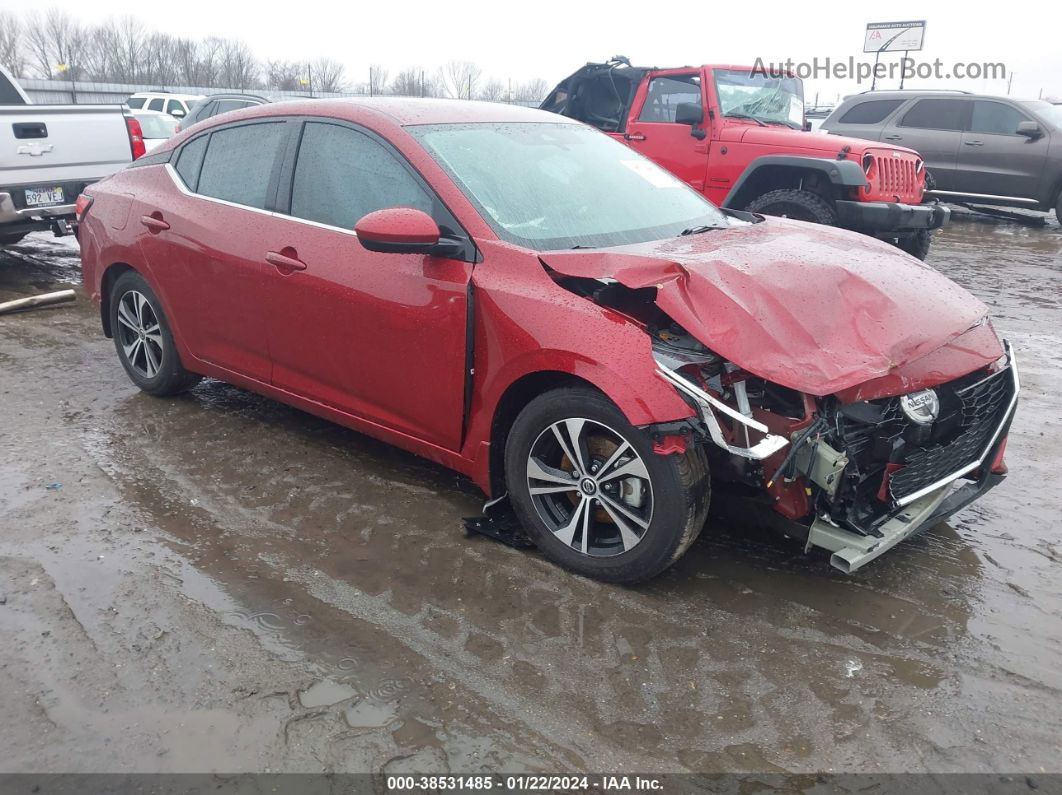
(49,153)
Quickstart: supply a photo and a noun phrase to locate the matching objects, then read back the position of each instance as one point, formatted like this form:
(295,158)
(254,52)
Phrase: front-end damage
(851,400)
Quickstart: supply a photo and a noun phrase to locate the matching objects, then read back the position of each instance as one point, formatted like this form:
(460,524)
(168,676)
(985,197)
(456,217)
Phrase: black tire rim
(590,487)
(139,334)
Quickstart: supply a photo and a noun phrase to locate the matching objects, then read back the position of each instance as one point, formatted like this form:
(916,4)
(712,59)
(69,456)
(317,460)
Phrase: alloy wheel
(140,333)
(590,487)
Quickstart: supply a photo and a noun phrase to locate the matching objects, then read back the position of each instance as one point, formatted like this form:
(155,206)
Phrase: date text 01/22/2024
(528,783)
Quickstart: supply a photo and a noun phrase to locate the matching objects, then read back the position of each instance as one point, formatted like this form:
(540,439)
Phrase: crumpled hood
(809,307)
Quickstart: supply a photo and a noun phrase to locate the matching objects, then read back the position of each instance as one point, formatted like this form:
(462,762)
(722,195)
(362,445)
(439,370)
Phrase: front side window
(175,105)
(342,175)
(995,118)
(664,95)
(935,114)
(239,163)
(870,112)
(550,186)
(759,96)
(155,104)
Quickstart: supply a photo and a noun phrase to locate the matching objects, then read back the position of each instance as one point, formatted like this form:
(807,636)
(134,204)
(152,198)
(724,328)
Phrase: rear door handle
(154,222)
(283,262)
(974,143)
(893,137)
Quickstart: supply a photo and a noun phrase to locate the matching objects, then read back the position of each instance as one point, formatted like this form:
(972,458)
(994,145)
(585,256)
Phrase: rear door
(205,241)
(653,131)
(378,336)
(932,126)
(994,159)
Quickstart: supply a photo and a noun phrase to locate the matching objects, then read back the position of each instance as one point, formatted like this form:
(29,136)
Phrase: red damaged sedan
(523,299)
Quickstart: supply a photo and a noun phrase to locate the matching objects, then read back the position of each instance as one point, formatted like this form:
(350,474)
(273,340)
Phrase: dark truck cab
(738,136)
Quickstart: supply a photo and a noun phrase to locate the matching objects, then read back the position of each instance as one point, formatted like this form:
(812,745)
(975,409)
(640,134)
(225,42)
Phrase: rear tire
(10,240)
(917,245)
(143,340)
(639,512)
(800,205)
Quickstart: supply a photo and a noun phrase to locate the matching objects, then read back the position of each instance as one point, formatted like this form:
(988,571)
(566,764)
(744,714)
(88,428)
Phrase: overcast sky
(550,39)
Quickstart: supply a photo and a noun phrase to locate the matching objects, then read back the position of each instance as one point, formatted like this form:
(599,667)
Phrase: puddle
(326,693)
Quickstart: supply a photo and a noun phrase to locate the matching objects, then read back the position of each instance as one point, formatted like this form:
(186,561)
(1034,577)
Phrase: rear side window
(136,103)
(342,175)
(995,118)
(190,160)
(870,112)
(239,163)
(225,105)
(155,104)
(935,114)
(665,94)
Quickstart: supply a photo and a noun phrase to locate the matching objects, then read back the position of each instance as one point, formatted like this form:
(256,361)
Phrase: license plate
(42,197)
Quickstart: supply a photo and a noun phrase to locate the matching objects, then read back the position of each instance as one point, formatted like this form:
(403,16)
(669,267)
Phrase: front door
(377,336)
(652,130)
(994,159)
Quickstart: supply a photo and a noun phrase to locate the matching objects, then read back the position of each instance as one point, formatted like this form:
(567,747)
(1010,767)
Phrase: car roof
(404,111)
(236,95)
(918,93)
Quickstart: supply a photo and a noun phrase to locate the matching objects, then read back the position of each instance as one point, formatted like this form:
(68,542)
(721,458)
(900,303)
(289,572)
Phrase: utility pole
(1009,81)
(370,81)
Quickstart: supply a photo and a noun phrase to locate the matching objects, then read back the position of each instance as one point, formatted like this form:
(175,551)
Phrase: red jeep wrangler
(739,137)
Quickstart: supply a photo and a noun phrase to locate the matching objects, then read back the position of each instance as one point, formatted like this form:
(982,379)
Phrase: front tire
(627,513)
(143,340)
(917,245)
(800,205)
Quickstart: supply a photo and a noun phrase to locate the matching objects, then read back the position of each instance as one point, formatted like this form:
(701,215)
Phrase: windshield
(161,126)
(1052,114)
(769,99)
(555,186)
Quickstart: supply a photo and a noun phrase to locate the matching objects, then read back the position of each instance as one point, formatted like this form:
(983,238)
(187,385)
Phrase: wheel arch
(772,172)
(107,280)
(513,400)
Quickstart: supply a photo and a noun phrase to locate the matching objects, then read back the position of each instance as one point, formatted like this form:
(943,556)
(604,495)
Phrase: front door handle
(633,137)
(154,222)
(283,262)
(974,143)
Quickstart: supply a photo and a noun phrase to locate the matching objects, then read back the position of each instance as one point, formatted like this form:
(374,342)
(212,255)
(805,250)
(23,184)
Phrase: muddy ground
(219,582)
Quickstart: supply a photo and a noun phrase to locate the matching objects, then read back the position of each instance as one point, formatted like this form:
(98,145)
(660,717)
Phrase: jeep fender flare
(844,173)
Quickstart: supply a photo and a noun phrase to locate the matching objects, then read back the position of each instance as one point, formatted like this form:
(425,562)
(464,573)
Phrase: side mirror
(689,113)
(399,230)
(177,113)
(1030,130)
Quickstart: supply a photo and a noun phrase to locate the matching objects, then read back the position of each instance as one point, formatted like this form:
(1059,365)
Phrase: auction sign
(894,36)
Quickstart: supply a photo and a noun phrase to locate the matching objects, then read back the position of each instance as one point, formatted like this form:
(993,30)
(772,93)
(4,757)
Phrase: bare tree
(378,83)
(286,75)
(460,79)
(328,75)
(12,54)
(493,91)
(239,69)
(531,91)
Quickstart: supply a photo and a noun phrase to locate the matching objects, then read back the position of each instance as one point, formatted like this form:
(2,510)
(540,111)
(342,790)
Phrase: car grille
(896,175)
(983,406)
(884,447)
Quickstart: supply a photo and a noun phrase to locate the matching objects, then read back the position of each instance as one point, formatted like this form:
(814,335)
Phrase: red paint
(398,225)
(377,341)
(670,445)
(714,165)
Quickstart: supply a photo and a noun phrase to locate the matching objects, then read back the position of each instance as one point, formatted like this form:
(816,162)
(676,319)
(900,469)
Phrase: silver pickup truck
(49,153)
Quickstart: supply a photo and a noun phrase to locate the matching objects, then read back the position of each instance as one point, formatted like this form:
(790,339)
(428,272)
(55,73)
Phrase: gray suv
(978,149)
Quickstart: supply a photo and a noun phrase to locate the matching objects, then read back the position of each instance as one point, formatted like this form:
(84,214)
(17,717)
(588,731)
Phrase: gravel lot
(219,582)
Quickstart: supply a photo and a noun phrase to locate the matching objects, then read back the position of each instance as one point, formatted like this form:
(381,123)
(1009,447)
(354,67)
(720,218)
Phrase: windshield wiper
(744,116)
(696,230)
